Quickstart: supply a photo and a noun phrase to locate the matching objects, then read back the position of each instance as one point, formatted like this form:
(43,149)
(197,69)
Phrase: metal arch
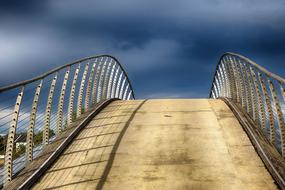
(61,102)
(30,131)
(10,139)
(89,86)
(48,112)
(71,96)
(81,90)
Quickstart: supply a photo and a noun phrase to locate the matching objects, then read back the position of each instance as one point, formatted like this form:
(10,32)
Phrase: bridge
(79,126)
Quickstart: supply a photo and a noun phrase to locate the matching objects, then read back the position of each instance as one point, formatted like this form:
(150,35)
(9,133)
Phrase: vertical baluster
(118,86)
(61,102)
(109,90)
(71,97)
(282,91)
(280,118)
(81,91)
(269,108)
(236,79)
(223,81)
(213,94)
(104,95)
(240,83)
(129,96)
(100,84)
(218,85)
(95,85)
(114,83)
(254,109)
(226,74)
(231,78)
(122,88)
(260,104)
(8,165)
(125,93)
(246,89)
(215,90)
(89,85)
(48,112)
(30,132)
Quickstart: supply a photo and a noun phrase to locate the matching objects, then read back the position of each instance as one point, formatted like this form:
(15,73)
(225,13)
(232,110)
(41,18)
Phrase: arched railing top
(262,69)
(18,84)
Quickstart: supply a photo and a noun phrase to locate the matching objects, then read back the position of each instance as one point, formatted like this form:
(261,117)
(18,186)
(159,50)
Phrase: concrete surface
(161,145)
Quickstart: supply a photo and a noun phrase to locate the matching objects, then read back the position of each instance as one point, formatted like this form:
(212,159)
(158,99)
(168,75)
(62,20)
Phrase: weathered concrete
(160,144)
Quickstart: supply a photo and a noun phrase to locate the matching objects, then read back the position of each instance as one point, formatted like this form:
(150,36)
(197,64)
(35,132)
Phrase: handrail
(260,92)
(35,111)
(18,84)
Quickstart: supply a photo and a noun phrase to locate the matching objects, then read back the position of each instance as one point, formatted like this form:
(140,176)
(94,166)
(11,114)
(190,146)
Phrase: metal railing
(259,92)
(34,112)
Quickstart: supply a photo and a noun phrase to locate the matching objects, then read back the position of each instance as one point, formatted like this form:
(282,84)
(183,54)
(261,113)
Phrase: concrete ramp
(160,144)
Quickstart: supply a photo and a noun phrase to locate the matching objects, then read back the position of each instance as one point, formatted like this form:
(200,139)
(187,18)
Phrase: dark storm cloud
(169,49)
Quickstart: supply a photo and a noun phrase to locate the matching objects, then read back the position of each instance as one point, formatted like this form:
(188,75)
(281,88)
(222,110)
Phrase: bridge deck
(160,144)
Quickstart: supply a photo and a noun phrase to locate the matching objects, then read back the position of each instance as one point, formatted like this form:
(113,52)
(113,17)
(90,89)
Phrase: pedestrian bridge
(74,128)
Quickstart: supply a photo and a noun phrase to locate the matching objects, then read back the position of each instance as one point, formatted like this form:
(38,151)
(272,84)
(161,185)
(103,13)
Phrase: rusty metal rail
(34,112)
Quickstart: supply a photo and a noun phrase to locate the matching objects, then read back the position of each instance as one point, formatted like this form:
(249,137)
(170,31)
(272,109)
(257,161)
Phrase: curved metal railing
(34,112)
(258,91)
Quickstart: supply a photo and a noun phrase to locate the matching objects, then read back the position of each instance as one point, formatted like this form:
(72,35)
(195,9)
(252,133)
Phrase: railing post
(129,96)
(89,85)
(227,83)
(71,97)
(218,85)
(122,88)
(252,92)
(247,89)
(48,112)
(269,108)
(118,85)
(109,90)
(10,140)
(30,132)
(61,103)
(240,83)
(259,101)
(125,93)
(223,81)
(104,94)
(280,118)
(100,84)
(231,76)
(81,91)
(114,83)
(236,79)
(95,85)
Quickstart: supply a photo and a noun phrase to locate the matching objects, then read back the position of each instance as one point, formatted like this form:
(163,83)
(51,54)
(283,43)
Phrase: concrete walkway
(161,145)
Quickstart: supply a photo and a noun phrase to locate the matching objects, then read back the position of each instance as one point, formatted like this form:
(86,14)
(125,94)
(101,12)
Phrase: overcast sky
(169,48)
